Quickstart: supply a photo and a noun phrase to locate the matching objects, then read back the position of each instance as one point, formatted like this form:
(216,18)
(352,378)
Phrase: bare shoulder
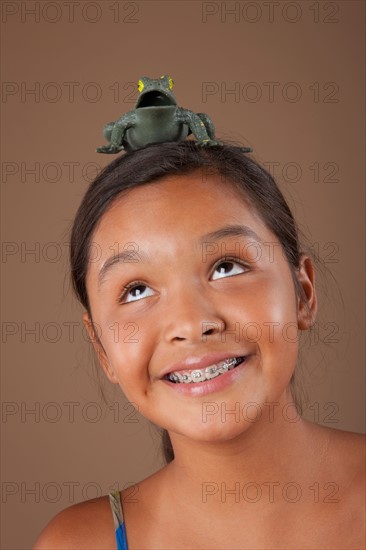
(84,525)
(346,457)
(342,441)
(342,453)
(350,445)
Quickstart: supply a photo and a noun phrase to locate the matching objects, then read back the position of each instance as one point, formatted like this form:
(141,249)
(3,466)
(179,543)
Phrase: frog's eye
(141,85)
(171,82)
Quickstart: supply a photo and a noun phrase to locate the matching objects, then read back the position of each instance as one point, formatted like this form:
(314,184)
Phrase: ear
(307,305)
(99,350)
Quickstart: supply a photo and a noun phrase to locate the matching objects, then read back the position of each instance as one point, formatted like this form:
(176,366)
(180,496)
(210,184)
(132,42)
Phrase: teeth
(200,375)
(211,372)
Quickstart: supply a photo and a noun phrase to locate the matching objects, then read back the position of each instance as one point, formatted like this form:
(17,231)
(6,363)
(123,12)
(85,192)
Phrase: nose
(192,317)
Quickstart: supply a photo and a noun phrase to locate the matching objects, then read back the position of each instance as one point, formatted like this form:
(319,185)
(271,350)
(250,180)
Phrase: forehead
(171,215)
(172,201)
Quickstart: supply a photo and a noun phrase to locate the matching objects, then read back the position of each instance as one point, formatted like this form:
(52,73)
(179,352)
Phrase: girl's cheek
(131,348)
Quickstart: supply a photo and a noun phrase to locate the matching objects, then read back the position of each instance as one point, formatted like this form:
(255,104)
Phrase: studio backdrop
(285,78)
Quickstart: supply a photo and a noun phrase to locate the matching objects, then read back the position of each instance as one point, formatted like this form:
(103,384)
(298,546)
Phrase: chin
(215,430)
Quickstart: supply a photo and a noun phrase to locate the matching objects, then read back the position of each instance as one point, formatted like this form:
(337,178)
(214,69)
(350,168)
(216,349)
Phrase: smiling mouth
(201,375)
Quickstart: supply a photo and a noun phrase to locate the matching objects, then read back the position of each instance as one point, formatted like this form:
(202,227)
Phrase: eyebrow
(125,256)
(230,231)
(134,256)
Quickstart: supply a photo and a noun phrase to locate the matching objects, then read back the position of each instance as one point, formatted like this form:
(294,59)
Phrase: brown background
(76,63)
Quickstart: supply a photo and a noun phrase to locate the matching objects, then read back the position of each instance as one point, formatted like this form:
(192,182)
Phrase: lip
(217,384)
(201,361)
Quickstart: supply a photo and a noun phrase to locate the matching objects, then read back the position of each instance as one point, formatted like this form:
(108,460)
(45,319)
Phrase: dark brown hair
(157,161)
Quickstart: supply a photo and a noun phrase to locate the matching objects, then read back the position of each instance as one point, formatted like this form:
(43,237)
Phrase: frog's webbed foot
(109,149)
(209,142)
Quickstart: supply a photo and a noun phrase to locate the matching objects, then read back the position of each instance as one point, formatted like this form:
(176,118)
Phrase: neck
(277,449)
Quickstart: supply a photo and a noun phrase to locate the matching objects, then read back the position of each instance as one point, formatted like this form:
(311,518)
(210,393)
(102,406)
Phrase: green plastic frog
(155,119)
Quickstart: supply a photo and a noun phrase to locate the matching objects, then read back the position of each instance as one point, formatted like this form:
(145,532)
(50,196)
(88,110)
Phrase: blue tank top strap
(119,524)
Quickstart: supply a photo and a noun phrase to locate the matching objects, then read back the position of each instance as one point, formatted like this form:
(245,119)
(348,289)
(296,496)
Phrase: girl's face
(184,275)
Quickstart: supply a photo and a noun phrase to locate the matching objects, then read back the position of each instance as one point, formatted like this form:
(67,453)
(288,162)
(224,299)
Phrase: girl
(210,274)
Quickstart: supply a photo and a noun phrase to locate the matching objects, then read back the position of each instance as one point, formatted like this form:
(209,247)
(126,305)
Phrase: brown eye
(135,292)
(228,268)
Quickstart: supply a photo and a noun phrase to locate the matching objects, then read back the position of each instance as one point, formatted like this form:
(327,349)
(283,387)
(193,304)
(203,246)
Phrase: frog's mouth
(154,99)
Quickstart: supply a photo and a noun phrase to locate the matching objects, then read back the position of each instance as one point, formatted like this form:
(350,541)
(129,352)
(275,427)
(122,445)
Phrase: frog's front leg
(196,124)
(115,132)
